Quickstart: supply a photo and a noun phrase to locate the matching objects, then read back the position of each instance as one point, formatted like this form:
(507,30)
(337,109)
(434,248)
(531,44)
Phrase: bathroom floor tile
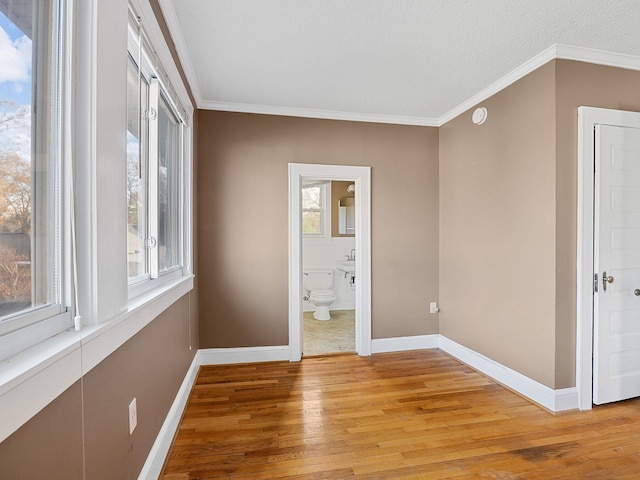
(331,336)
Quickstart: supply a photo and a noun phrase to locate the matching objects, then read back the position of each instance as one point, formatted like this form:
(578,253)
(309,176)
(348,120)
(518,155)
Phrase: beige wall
(150,367)
(497,228)
(243,221)
(508,208)
(578,84)
(49,445)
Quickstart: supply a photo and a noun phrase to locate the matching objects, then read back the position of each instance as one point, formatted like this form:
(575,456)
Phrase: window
(156,146)
(31,164)
(312,209)
(316,215)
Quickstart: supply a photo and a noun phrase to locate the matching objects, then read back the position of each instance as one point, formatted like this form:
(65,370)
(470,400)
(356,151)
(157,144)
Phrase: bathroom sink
(348,266)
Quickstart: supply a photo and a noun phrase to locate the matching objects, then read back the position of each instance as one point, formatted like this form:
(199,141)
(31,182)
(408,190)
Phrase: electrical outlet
(433,307)
(133,416)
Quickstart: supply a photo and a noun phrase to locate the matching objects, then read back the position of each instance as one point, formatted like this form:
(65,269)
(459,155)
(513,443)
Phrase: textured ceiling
(408,59)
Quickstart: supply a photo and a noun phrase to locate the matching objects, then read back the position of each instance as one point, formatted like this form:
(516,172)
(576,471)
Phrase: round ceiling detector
(479,115)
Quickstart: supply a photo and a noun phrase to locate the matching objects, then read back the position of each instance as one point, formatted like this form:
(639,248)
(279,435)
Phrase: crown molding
(555,52)
(598,57)
(317,113)
(510,78)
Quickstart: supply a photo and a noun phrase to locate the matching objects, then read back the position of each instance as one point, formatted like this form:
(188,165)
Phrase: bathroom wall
(325,256)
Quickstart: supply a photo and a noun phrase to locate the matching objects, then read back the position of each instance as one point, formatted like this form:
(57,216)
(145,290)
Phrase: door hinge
(595,283)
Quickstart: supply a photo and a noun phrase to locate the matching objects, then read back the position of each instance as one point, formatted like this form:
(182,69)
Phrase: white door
(616,359)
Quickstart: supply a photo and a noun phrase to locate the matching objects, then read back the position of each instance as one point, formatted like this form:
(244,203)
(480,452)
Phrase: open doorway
(307,174)
(328,266)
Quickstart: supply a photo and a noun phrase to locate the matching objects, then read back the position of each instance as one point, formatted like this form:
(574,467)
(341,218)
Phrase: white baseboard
(155,460)
(565,399)
(401,344)
(223,356)
(554,400)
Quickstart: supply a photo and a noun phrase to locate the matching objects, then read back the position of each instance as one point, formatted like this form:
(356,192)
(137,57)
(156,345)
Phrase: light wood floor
(409,415)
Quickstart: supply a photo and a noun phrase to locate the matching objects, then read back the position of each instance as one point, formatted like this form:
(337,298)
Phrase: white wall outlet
(433,307)
(133,416)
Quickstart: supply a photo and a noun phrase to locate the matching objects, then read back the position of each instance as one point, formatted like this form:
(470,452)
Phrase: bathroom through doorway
(328,266)
(326,258)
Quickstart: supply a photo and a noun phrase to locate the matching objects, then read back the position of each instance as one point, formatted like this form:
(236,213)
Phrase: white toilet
(318,283)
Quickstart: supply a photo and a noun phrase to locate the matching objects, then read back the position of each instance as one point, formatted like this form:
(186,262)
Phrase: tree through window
(312,209)
(29,162)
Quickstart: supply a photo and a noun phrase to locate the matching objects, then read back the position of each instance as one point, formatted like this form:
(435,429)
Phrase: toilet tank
(317,279)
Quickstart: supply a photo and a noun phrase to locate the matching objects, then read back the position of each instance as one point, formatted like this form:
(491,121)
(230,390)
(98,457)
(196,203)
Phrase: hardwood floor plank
(407,415)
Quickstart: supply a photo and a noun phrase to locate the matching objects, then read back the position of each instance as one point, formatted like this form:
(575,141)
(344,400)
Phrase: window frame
(25,328)
(160,88)
(143,167)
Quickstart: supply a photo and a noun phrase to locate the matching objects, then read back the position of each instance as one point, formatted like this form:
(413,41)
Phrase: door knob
(636,292)
(606,279)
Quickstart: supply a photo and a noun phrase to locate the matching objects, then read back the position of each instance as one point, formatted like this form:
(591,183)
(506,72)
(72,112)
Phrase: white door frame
(588,118)
(361,176)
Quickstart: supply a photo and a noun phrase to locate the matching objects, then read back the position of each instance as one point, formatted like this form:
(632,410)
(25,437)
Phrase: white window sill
(30,380)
